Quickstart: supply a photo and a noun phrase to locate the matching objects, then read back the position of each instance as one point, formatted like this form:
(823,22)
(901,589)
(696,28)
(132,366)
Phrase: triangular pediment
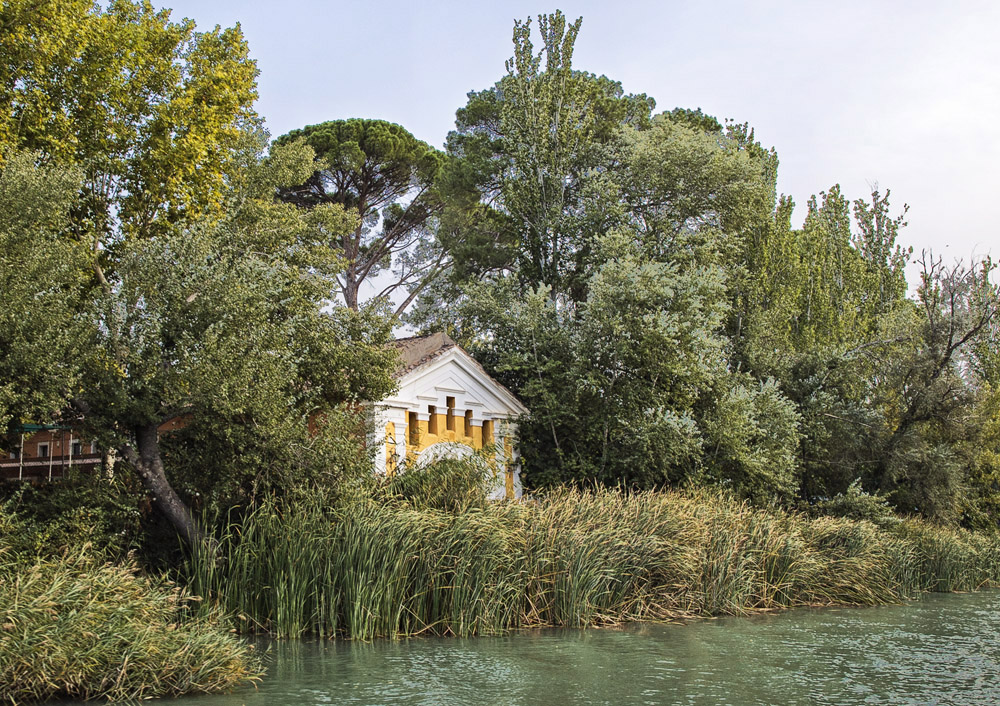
(455,374)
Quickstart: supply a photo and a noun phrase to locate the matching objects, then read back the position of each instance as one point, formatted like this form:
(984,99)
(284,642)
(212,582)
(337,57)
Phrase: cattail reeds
(393,566)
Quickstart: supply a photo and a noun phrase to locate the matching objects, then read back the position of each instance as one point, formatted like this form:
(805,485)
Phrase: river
(943,649)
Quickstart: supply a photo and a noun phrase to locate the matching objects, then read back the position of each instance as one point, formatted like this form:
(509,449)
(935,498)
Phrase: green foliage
(53,518)
(41,279)
(596,282)
(237,346)
(696,193)
(447,484)
(983,506)
(388,177)
(823,288)
(74,627)
(535,148)
(636,280)
(856,504)
(751,435)
(928,396)
(216,462)
(206,299)
(150,110)
(611,389)
(384,569)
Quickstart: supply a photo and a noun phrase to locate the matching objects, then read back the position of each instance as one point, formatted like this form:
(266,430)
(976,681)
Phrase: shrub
(75,627)
(856,504)
(449,484)
(82,508)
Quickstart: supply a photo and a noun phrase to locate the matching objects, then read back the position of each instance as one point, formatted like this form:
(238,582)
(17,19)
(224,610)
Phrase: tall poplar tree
(537,148)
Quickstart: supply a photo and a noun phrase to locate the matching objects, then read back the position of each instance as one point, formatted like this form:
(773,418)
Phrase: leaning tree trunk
(149,464)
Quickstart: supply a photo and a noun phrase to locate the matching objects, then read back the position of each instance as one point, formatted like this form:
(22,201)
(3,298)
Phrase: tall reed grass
(75,627)
(392,568)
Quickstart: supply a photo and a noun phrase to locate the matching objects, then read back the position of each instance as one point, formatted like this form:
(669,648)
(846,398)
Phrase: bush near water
(73,625)
(407,563)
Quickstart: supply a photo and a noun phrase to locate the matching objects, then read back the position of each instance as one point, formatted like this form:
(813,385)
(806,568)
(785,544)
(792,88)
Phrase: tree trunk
(149,464)
(350,291)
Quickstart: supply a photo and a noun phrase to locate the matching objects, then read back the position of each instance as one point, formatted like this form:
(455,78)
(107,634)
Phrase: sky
(896,94)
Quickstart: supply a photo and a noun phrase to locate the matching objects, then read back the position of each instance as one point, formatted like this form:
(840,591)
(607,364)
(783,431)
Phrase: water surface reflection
(944,649)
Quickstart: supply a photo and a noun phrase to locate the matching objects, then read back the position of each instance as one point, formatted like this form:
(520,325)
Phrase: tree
(630,385)
(929,396)
(904,410)
(232,339)
(612,387)
(41,278)
(593,278)
(153,113)
(536,149)
(388,177)
(826,287)
(157,120)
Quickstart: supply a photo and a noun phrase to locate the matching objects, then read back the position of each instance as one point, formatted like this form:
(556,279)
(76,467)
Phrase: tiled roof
(417,350)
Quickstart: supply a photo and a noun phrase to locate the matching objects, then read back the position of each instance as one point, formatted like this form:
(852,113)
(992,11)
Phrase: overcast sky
(902,94)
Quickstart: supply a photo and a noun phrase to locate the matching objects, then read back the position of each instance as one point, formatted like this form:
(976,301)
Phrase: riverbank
(393,568)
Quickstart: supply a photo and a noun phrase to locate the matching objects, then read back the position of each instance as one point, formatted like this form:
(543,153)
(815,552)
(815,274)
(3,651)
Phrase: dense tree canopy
(639,283)
(41,278)
(235,341)
(152,112)
(536,149)
(635,278)
(151,275)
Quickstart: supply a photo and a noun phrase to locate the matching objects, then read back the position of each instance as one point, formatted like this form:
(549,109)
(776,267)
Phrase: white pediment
(455,374)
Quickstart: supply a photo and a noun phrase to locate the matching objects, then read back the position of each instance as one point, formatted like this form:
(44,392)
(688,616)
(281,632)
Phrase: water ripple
(943,650)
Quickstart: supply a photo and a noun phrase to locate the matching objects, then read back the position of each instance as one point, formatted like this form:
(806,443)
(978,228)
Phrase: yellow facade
(424,433)
(449,427)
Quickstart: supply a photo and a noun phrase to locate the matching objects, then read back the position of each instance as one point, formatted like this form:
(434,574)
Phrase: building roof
(418,350)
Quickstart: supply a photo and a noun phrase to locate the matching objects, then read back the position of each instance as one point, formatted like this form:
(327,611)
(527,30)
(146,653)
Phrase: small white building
(448,406)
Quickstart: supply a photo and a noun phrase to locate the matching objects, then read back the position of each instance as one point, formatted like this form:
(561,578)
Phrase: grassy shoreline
(389,569)
(405,561)
(73,626)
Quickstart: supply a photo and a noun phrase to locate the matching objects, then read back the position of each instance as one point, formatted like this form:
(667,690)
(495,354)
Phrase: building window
(43,450)
(468,423)
(488,439)
(76,448)
(432,424)
(15,452)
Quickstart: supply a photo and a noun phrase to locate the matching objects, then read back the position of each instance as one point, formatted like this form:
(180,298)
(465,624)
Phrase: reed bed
(75,627)
(575,558)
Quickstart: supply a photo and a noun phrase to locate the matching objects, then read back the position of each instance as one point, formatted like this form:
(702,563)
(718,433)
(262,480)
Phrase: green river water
(943,649)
